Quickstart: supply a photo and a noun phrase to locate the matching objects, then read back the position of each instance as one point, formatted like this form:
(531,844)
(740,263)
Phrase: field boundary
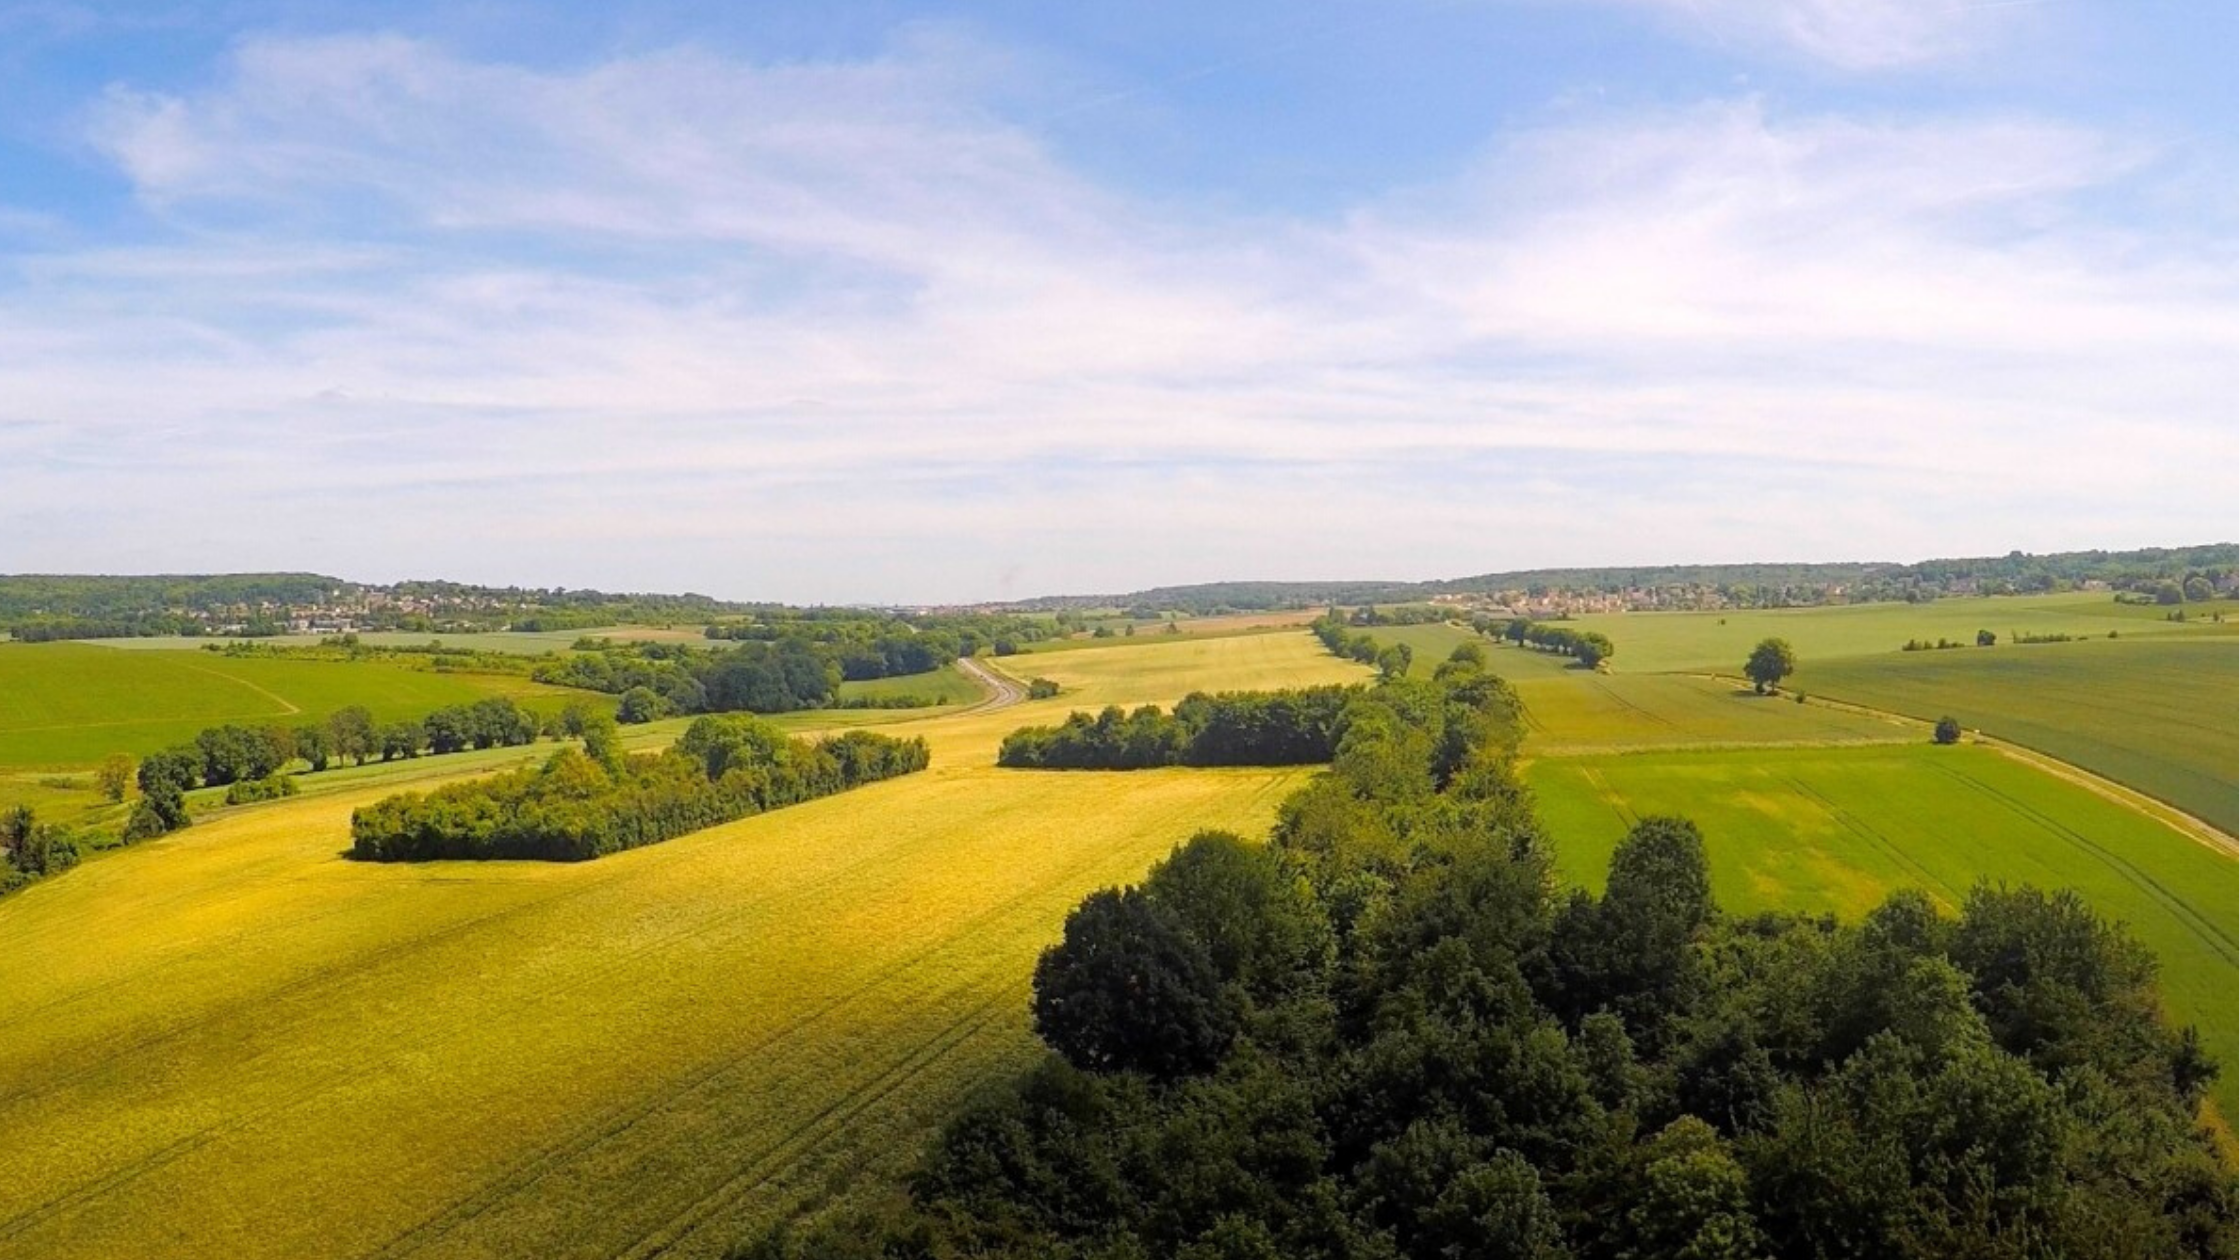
(2199,830)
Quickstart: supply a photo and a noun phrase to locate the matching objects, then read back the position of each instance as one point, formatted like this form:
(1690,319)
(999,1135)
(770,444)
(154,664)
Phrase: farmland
(212,1032)
(232,1042)
(2156,714)
(1834,830)
(1669,642)
(1827,807)
(64,704)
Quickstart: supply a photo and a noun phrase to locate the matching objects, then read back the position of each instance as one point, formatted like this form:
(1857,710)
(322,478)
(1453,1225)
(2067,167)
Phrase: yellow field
(232,1042)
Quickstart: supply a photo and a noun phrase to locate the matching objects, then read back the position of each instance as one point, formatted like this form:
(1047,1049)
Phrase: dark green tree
(1770,662)
(1129,989)
(1948,730)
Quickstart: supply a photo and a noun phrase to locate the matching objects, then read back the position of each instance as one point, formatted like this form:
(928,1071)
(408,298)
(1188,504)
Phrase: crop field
(1149,632)
(2158,715)
(1836,829)
(64,704)
(232,1042)
(1666,642)
(1581,711)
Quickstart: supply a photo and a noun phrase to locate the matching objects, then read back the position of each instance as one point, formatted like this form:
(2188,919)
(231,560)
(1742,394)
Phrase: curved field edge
(1836,830)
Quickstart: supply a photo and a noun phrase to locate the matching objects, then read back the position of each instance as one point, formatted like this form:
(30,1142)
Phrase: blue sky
(913,302)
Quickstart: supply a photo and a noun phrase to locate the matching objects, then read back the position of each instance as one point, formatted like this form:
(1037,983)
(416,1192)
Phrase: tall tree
(1770,662)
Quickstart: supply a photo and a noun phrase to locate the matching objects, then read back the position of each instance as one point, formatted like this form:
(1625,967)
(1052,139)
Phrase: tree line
(1337,633)
(755,677)
(584,804)
(1389,1033)
(233,755)
(1233,728)
(1589,647)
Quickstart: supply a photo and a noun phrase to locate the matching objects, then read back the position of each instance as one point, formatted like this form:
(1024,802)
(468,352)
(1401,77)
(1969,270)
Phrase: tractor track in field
(2198,830)
(2218,939)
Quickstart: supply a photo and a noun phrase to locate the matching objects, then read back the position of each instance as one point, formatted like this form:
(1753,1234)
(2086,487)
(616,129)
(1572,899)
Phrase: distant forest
(2016,572)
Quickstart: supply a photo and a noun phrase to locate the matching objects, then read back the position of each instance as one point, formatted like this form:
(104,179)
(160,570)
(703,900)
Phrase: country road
(1004,691)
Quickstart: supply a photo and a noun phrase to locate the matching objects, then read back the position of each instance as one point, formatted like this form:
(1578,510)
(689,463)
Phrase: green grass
(946,685)
(1666,642)
(2158,715)
(231,1042)
(1836,830)
(71,704)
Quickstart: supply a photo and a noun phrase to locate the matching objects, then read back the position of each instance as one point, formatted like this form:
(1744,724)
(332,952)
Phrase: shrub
(1948,730)
(271,788)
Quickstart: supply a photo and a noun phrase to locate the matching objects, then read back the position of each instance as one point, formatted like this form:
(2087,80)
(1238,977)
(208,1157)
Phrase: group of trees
(231,755)
(1232,728)
(1387,1034)
(881,645)
(755,677)
(1589,647)
(584,804)
(30,849)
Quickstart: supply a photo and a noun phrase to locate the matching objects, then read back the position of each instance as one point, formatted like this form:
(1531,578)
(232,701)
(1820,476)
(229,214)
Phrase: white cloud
(1855,35)
(631,323)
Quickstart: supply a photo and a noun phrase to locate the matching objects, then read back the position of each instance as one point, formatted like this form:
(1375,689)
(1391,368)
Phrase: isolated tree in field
(1984,638)
(2198,590)
(1770,662)
(1130,989)
(1948,730)
(114,776)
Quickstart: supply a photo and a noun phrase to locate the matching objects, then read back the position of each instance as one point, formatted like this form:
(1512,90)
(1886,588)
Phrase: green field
(946,685)
(232,1042)
(1837,829)
(2158,715)
(69,704)
(1668,642)
(1580,711)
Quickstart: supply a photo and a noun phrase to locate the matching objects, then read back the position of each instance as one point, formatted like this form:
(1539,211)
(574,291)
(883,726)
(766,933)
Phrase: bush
(1948,730)
(271,788)
(1041,689)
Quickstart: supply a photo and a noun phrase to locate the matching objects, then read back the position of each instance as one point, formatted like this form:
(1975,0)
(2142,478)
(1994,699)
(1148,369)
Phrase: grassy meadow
(1837,829)
(232,1042)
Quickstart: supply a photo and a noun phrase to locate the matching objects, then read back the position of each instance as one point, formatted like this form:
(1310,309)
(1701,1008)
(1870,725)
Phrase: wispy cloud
(1855,35)
(844,330)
